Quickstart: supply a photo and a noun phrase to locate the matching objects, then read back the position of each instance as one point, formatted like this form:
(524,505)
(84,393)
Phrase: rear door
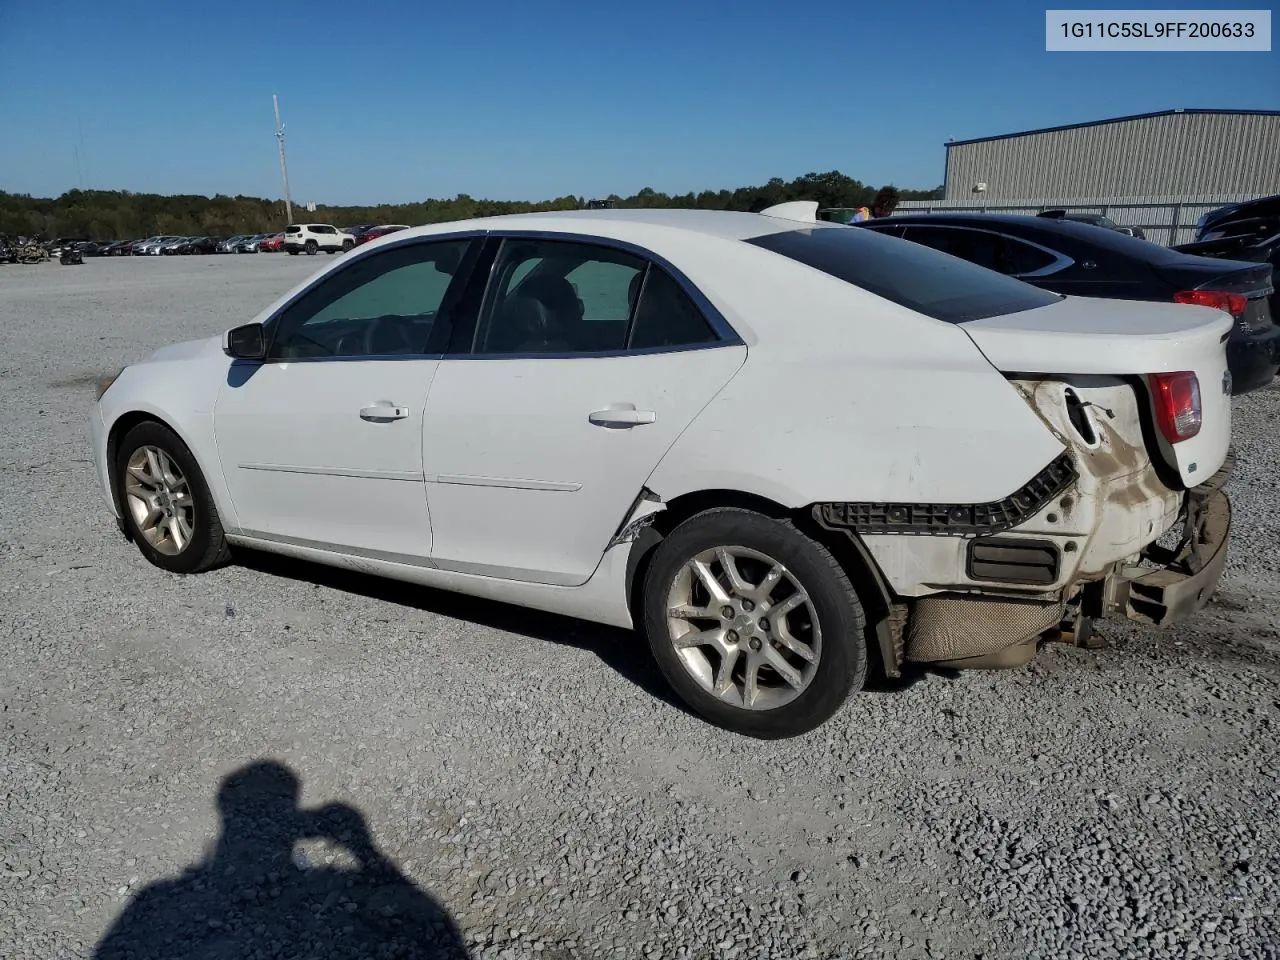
(541,430)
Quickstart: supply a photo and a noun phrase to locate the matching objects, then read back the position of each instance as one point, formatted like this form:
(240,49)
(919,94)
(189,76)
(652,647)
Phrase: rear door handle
(382,411)
(622,417)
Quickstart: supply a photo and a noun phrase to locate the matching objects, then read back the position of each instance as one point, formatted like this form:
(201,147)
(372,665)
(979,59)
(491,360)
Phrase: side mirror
(248,342)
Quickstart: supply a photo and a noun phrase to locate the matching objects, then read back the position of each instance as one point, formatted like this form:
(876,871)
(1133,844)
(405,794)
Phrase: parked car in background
(1258,241)
(174,246)
(152,246)
(1083,261)
(783,448)
(272,244)
(313,238)
(1093,219)
(357,230)
(229,245)
(373,233)
(1256,219)
(250,244)
(55,247)
(199,246)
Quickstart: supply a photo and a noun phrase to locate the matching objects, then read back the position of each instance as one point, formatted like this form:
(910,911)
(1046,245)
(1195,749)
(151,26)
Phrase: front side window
(380,305)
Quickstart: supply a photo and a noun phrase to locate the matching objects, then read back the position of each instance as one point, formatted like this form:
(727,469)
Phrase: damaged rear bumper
(1160,586)
(1188,574)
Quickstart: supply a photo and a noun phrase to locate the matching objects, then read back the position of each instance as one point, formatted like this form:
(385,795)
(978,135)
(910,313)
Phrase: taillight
(1177,402)
(1232,303)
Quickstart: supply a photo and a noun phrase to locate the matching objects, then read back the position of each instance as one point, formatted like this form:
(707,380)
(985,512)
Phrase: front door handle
(383,411)
(622,417)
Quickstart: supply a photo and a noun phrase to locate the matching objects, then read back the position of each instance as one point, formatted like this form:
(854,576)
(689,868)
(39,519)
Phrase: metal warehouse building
(1172,153)
(1159,171)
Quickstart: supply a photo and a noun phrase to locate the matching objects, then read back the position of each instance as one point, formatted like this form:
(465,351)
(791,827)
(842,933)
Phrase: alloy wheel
(744,627)
(159,499)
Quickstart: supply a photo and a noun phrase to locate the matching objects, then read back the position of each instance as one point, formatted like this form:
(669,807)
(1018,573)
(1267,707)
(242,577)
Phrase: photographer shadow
(256,895)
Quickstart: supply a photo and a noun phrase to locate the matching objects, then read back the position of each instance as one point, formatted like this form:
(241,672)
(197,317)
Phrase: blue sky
(391,101)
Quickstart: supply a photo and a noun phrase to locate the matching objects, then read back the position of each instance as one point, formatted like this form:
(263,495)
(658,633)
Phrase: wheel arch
(131,418)
(869,583)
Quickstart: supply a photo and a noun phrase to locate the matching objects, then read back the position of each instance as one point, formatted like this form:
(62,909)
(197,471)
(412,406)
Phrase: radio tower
(284,168)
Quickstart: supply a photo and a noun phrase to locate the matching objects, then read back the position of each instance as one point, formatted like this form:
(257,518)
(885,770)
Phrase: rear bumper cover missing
(1168,586)
(1190,572)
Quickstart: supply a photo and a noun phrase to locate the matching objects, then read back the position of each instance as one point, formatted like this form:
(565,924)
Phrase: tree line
(123,215)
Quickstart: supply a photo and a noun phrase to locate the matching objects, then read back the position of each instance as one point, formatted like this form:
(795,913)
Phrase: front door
(321,444)
(587,365)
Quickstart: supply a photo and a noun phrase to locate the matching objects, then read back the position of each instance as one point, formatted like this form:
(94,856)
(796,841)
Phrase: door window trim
(725,335)
(1060,260)
(465,269)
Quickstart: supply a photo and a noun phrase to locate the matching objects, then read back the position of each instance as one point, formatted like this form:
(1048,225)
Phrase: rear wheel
(311,248)
(755,625)
(166,502)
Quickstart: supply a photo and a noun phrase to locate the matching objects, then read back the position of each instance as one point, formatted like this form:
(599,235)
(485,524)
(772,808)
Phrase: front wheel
(167,507)
(755,625)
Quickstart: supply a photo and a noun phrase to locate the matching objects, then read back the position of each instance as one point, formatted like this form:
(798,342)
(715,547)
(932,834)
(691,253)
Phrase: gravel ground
(417,768)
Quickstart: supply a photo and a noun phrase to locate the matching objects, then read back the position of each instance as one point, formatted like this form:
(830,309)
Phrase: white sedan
(788,451)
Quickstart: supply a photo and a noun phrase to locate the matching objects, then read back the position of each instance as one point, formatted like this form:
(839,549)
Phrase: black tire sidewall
(206,525)
(843,665)
(311,247)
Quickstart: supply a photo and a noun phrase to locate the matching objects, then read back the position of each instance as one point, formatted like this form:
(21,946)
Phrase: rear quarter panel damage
(1117,505)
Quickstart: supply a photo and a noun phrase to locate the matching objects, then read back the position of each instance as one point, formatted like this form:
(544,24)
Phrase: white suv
(311,238)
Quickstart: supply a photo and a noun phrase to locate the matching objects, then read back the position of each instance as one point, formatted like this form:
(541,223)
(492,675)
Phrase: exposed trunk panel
(1129,339)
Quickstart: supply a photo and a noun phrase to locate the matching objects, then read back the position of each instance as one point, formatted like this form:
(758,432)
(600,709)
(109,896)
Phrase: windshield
(912,275)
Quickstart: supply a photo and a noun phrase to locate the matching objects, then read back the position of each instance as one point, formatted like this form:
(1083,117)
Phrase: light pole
(284,168)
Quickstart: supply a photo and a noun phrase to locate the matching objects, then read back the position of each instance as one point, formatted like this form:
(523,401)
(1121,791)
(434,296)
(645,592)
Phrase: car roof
(633,223)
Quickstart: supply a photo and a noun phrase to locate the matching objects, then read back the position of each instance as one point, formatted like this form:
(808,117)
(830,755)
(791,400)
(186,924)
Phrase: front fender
(180,394)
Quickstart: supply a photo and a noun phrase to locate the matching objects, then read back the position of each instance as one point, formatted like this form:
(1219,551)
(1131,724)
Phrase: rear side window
(935,284)
(994,251)
(666,317)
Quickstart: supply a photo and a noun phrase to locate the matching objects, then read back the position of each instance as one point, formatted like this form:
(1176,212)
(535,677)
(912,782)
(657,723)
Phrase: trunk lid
(1132,339)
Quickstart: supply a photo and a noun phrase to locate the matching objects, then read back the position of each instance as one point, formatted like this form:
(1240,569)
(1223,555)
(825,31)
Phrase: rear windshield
(917,277)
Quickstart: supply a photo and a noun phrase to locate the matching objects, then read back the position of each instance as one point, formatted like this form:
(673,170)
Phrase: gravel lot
(516,785)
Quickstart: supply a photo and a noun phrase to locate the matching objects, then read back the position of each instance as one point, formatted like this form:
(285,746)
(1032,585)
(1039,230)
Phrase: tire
(311,248)
(348,245)
(836,661)
(205,545)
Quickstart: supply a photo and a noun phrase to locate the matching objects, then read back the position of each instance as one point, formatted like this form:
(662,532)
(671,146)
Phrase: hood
(186,350)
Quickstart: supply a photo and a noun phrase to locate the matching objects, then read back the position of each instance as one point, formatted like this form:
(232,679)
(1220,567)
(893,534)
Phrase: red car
(272,244)
(373,233)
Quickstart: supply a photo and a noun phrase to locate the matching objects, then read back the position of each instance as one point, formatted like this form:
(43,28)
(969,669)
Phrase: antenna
(284,168)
